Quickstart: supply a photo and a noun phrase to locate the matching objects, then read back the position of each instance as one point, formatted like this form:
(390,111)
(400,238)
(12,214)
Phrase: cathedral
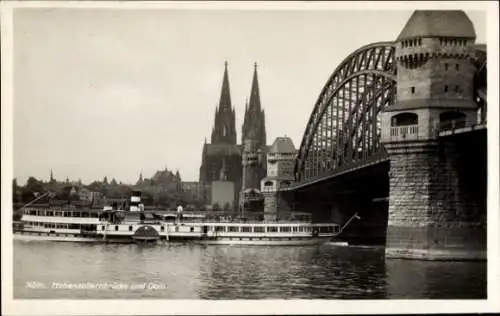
(228,168)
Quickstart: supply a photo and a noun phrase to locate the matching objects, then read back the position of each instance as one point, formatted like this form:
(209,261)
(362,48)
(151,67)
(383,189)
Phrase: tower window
(445,88)
(445,66)
(412,90)
(457,88)
(457,66)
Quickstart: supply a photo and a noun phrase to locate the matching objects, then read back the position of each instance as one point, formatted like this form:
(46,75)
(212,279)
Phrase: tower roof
(254,126)
(254,93)
(225,96)
(224,130)
(433,23)
(282,145)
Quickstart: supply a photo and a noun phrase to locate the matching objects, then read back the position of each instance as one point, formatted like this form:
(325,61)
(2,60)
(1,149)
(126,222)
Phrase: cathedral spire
(224,130)
(225,95)
(254,94)
(254,120)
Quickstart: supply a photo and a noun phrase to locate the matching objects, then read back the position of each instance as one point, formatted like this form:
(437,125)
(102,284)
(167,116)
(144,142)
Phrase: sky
(109,92)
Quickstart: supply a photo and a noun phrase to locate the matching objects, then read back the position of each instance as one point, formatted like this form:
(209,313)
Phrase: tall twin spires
(224,131)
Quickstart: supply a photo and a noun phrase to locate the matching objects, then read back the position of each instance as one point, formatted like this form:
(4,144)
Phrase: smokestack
(135,200)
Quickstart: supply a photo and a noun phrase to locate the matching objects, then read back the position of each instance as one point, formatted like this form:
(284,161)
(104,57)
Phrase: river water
(189,271)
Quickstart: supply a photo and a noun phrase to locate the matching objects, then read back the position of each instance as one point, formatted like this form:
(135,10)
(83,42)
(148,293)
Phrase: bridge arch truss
(344,126)
(343,131)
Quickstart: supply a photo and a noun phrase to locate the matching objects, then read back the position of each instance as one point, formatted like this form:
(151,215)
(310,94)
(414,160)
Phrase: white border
(77,307)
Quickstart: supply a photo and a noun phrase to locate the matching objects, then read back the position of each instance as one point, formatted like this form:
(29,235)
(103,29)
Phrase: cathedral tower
(222,155)
(254,151)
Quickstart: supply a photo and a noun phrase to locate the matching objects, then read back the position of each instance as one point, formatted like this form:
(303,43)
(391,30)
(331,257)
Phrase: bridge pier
(432,214)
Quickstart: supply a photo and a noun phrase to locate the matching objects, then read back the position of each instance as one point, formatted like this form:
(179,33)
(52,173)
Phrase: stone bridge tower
(280,175)
(429,216)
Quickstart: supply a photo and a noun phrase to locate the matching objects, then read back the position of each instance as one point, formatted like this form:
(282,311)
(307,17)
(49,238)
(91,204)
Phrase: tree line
(163,189)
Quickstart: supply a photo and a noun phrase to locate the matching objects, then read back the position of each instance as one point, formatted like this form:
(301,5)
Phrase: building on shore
(193,189)
(280,174)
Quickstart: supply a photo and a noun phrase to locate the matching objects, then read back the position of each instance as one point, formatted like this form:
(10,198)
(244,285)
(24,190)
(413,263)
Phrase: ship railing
(270,222)
(217,221)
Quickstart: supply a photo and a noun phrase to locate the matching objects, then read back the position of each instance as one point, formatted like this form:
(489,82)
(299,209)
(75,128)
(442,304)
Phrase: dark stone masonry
(431,215)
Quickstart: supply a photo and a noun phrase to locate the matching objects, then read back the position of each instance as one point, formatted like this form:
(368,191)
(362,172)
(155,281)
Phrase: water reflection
(289,272)
(188,271)
(435,279)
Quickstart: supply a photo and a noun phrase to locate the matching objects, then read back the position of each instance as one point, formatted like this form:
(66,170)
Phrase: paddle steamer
(134,224)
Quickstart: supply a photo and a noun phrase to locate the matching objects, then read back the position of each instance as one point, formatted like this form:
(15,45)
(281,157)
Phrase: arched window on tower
(404,126)
(404,119)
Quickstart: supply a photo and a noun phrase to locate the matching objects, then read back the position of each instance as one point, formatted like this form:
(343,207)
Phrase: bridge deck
(462,130)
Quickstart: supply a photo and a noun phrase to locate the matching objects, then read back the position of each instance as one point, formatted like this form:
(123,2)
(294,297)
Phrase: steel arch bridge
(343,131)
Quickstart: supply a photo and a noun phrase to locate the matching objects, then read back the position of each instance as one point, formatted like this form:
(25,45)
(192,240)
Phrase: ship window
(285,229)
(192,229)
(58,214)
(163,228)
(412,90)
(246,229)
(103,227)
(130,228)
(272,229)
(233,229)
(294,229)
(220,228)
(116,227)
(258,229)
